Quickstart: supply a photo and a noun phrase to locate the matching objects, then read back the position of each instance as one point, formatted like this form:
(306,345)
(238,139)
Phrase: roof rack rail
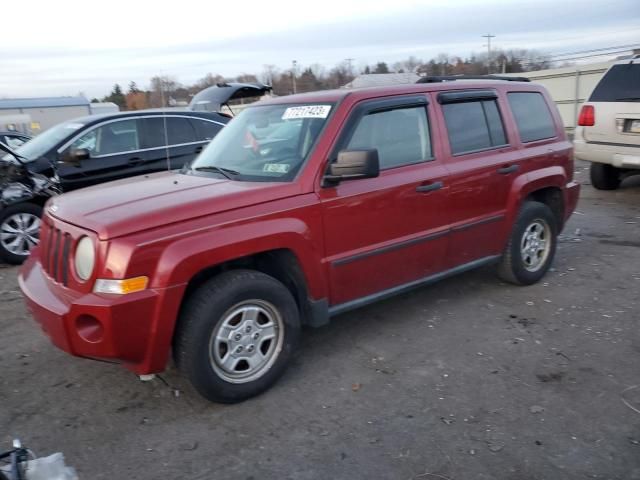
(451,78)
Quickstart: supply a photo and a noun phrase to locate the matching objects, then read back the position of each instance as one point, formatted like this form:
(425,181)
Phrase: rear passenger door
(481,166)
(388,231)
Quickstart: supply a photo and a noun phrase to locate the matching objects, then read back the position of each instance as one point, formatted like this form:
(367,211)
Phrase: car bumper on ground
(129,329)
(571,195)
(620,156)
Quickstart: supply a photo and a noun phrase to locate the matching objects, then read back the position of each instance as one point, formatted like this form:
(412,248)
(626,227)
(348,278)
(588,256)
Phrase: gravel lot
(466,379)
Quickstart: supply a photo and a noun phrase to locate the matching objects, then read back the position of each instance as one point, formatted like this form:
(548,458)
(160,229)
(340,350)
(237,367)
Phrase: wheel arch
(545,186)
(283,265)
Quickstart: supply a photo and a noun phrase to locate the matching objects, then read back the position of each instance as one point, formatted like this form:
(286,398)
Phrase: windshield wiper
(14,154)
(226,172)
(633,99)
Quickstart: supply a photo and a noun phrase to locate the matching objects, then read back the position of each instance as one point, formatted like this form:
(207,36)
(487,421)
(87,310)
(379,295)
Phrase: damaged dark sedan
(101,148)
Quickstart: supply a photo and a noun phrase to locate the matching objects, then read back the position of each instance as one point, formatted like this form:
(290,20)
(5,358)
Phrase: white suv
(608,132)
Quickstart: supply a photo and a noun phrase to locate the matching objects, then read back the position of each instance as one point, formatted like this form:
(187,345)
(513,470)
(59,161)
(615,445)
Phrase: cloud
(201,42)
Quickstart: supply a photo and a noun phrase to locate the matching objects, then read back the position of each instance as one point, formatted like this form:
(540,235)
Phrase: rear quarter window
(620,84)
(205,130)
(473,126)
(533,118)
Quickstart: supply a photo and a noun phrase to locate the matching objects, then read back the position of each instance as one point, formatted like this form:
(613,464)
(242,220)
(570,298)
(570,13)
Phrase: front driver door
(388,231)
(115,152)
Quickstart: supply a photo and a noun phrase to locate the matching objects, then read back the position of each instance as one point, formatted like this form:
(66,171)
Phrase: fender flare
(527,183)
(183,259)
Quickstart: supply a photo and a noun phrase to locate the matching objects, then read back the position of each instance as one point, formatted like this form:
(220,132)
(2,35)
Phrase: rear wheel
(532,245)
(19,231)
(236,334)
(604,176)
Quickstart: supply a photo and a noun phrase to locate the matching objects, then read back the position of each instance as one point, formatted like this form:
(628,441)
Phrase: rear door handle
(199,149)
(134,161)
(430,187)
(508,169)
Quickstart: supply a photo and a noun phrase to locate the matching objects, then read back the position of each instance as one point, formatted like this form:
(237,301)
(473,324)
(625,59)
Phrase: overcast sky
(70,46)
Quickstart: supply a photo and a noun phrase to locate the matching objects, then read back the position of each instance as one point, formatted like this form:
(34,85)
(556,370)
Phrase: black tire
(208,308)
(513,267)
(5,216)
(604,176)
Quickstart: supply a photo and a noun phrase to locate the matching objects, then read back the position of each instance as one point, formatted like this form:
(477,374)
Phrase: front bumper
(620,156)
(133,329)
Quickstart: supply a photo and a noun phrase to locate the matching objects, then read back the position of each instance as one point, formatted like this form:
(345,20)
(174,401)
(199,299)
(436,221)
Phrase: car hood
(135,204)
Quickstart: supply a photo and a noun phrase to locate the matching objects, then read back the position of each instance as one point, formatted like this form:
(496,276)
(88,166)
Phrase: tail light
(587,116)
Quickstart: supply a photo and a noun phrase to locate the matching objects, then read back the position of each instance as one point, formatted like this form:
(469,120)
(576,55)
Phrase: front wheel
(532,245)
(19,231)
(236,335)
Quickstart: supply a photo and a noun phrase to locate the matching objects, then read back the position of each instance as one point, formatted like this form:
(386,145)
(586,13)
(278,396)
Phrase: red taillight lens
(587,116)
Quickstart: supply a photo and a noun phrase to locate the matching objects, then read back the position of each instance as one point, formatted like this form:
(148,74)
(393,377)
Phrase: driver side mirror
(76,156)
(353,164)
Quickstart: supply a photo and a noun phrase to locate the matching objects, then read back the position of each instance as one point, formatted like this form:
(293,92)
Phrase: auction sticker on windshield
(275,168)
(306,111)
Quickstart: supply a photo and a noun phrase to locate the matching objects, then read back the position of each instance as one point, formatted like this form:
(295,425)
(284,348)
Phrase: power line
(596,50)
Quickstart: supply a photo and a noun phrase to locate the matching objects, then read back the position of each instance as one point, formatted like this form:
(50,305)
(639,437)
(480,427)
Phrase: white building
(38,114)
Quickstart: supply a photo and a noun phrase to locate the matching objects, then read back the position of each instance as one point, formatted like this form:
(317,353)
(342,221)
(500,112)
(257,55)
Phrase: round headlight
(85,258)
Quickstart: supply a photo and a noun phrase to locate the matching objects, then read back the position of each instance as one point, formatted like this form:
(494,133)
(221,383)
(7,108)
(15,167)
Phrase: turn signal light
(587,116)
(121,287)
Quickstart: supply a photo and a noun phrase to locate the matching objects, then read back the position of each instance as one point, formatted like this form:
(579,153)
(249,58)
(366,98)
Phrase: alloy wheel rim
(247,342)
(535,245)
(19,233)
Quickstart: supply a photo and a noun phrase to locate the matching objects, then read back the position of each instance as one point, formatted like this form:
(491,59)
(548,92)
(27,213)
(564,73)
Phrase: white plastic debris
(50,468)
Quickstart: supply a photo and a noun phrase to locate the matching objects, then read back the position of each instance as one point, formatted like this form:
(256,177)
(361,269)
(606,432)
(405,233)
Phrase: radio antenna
(164,121)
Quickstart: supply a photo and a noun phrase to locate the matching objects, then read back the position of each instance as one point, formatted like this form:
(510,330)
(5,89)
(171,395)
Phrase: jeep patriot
(302,208)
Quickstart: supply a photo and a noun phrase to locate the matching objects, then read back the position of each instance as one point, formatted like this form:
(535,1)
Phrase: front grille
(56,247)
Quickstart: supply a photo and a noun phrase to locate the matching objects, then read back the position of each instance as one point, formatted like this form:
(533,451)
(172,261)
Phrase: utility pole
(349,65)
(488,36)
(294,68)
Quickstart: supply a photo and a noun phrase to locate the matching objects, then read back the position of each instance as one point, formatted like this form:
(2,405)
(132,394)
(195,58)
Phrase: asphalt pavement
(470,378)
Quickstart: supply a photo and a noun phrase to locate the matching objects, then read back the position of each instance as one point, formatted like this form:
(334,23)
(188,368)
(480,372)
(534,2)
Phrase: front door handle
(199,149)
(134,161)
(508,169)
(429,187)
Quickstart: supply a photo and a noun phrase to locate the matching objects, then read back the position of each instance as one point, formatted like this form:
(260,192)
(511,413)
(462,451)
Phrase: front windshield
(38,146)
(264,143)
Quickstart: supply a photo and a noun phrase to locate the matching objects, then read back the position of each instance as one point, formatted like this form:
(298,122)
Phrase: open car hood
(211,99)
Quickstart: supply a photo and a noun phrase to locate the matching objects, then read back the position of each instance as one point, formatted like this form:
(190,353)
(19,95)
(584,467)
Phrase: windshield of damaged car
(41,144)
(264,143)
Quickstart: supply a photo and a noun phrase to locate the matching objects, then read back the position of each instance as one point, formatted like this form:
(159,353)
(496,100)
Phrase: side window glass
(532,116)
(401,136)
(111,138)
(154,133)
(473,126)
(180,131)
(87,141)
(206,130)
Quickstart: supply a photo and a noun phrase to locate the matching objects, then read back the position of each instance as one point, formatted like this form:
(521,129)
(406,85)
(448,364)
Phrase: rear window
(532,115)
(473,126)
(620,84)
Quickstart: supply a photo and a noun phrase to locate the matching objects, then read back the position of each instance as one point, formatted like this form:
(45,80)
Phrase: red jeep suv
(302,208)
